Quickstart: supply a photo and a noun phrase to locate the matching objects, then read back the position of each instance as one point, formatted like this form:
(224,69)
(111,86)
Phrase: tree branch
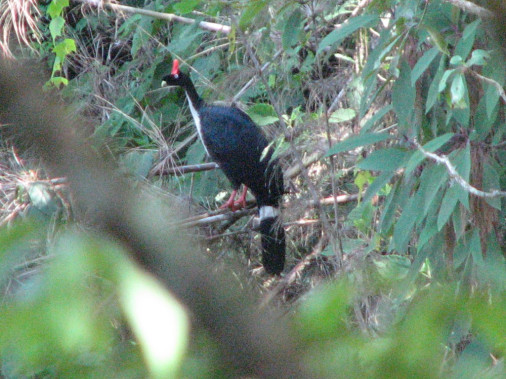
(456,176)
(211,26)
(471,8)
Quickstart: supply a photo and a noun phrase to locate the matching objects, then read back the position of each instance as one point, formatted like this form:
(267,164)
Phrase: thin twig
(443,159)
(211,26)
(471,8)
(492,82)
(254,79)
(181,170)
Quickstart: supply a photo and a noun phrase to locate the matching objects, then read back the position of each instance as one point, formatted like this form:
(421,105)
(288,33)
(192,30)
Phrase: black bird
(233,141)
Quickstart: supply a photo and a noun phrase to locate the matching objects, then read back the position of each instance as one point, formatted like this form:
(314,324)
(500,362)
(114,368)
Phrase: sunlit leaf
(158,320)
(342,115)
(423,63)
(389,159)
(263,114)
(356,141)
(344,30)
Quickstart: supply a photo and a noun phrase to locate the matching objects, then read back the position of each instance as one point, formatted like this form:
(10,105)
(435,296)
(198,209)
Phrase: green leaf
(466,43)
(423,63)
(186,6)
(405,224)
(392,267)
(65,47)
(447,205)
(345,29)
(491,181)
(430,146)
(439,40)
(433,93)
(356,141)
(478,57)
(56,7)
(342,115)
(403,94)
(444,79)
(263,114)
(457,89)
(456,60)
(157,319)
(375,118)
(250,12)
(56,27)
(378,183)
(435,179)
(495,71)
(389,159)
(292,30)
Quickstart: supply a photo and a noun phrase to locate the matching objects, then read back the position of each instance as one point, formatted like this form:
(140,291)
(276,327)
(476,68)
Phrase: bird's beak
(164,83)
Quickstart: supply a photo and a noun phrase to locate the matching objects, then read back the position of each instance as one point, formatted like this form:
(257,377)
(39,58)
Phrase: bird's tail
(273,240)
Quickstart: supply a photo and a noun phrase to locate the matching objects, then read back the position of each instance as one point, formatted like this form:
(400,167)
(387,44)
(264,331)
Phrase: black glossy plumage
(236,144)
(234,141)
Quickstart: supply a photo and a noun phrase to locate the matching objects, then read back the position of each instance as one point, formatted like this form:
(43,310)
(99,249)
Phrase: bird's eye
(176,76)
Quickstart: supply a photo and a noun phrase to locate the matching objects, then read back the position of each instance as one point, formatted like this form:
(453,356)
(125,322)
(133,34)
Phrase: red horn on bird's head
(175,67)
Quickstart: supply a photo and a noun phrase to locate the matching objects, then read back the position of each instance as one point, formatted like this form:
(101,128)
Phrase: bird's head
(176,77)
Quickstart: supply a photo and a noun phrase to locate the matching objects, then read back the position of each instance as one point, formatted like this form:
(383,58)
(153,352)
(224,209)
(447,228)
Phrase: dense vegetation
(389,120)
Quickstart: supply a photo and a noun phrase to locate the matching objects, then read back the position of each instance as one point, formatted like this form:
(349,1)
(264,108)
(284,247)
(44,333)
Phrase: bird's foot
(230,203)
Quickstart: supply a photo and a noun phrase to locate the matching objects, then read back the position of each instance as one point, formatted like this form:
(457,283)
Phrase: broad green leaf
(423,63)
(447,205)
(55,7)
(405,224)
(65,47)
(478,57)
(388,159)
(345,29)
(157,319)
(439,40)
(378,183)
(495,71)
(377,116)
(430,146)
(357,141)
(392,267)
(475,247)
(457,89)
(433,93)
(461,110)
(292,30)
(342,115)
(491,181)
(403,94)
(437,177)
(456,60)
(390,208)
(253,8)
(186,6)
(56,27)
(444,79)
(263,114)
(466,43)
(429,231)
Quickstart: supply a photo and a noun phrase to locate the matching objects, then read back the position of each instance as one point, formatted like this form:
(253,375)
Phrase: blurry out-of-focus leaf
(158,320)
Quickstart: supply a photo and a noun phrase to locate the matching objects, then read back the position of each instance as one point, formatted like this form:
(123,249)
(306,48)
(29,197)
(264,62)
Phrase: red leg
(241,203)
(230,202)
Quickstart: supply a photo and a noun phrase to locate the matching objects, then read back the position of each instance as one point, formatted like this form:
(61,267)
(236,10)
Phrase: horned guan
(238,146)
